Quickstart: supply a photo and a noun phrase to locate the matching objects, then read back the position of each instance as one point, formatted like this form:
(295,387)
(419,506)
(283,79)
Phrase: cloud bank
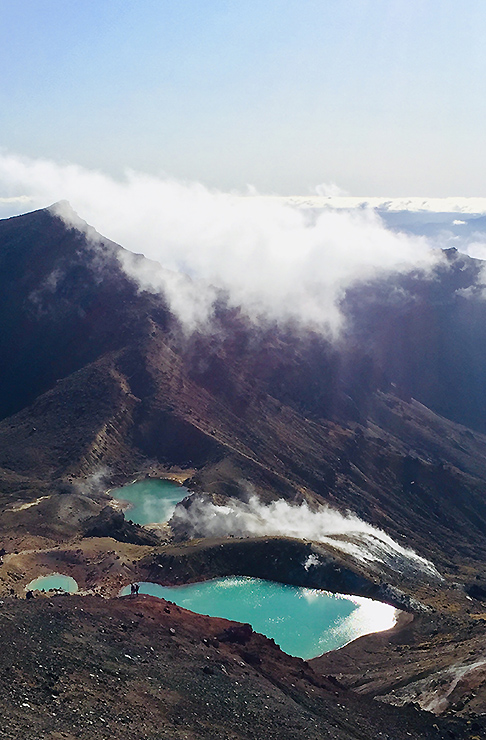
(330,195)
(268,256)
(345,532)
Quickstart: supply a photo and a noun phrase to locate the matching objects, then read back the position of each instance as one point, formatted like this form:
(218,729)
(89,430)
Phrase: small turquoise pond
(150,501)
(304,622)
(55,580)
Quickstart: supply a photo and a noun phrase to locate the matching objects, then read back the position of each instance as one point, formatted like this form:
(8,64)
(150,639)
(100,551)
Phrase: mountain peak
(64,210)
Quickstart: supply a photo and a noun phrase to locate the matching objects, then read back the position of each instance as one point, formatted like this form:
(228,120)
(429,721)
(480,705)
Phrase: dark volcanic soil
(140,668)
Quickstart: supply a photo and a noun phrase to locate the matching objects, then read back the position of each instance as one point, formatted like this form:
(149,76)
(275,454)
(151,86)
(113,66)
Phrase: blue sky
(382,97)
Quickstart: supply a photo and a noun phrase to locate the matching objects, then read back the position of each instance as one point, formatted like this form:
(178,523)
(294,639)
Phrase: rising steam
(277,261)
(96,482)
(345,532)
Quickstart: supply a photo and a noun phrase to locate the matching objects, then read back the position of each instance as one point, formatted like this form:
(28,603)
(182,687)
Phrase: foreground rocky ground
(140,668)
(434,659)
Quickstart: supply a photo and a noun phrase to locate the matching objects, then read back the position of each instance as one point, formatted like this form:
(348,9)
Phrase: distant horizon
(467,205)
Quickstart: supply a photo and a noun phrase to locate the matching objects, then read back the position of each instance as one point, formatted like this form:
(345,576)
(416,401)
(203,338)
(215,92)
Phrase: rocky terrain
(83,667)
(100,385)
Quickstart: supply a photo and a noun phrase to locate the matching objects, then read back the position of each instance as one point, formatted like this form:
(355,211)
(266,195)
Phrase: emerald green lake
(150,501)
(55,580)
(304,622)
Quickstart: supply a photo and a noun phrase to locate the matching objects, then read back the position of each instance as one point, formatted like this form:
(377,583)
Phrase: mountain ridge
(294,414)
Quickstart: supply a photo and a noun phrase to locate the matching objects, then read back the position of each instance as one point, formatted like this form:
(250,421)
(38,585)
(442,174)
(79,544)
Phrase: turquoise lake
(150,501)
(55,580)
(304,622)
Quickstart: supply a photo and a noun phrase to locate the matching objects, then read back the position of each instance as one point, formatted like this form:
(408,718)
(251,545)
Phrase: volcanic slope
(96,372)
(98,376)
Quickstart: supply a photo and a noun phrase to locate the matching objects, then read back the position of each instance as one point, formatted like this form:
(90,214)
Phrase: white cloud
(329,190)
(477,247)
(268,255)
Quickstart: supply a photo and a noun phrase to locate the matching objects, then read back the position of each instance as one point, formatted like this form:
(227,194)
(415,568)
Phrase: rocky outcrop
(111,523)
